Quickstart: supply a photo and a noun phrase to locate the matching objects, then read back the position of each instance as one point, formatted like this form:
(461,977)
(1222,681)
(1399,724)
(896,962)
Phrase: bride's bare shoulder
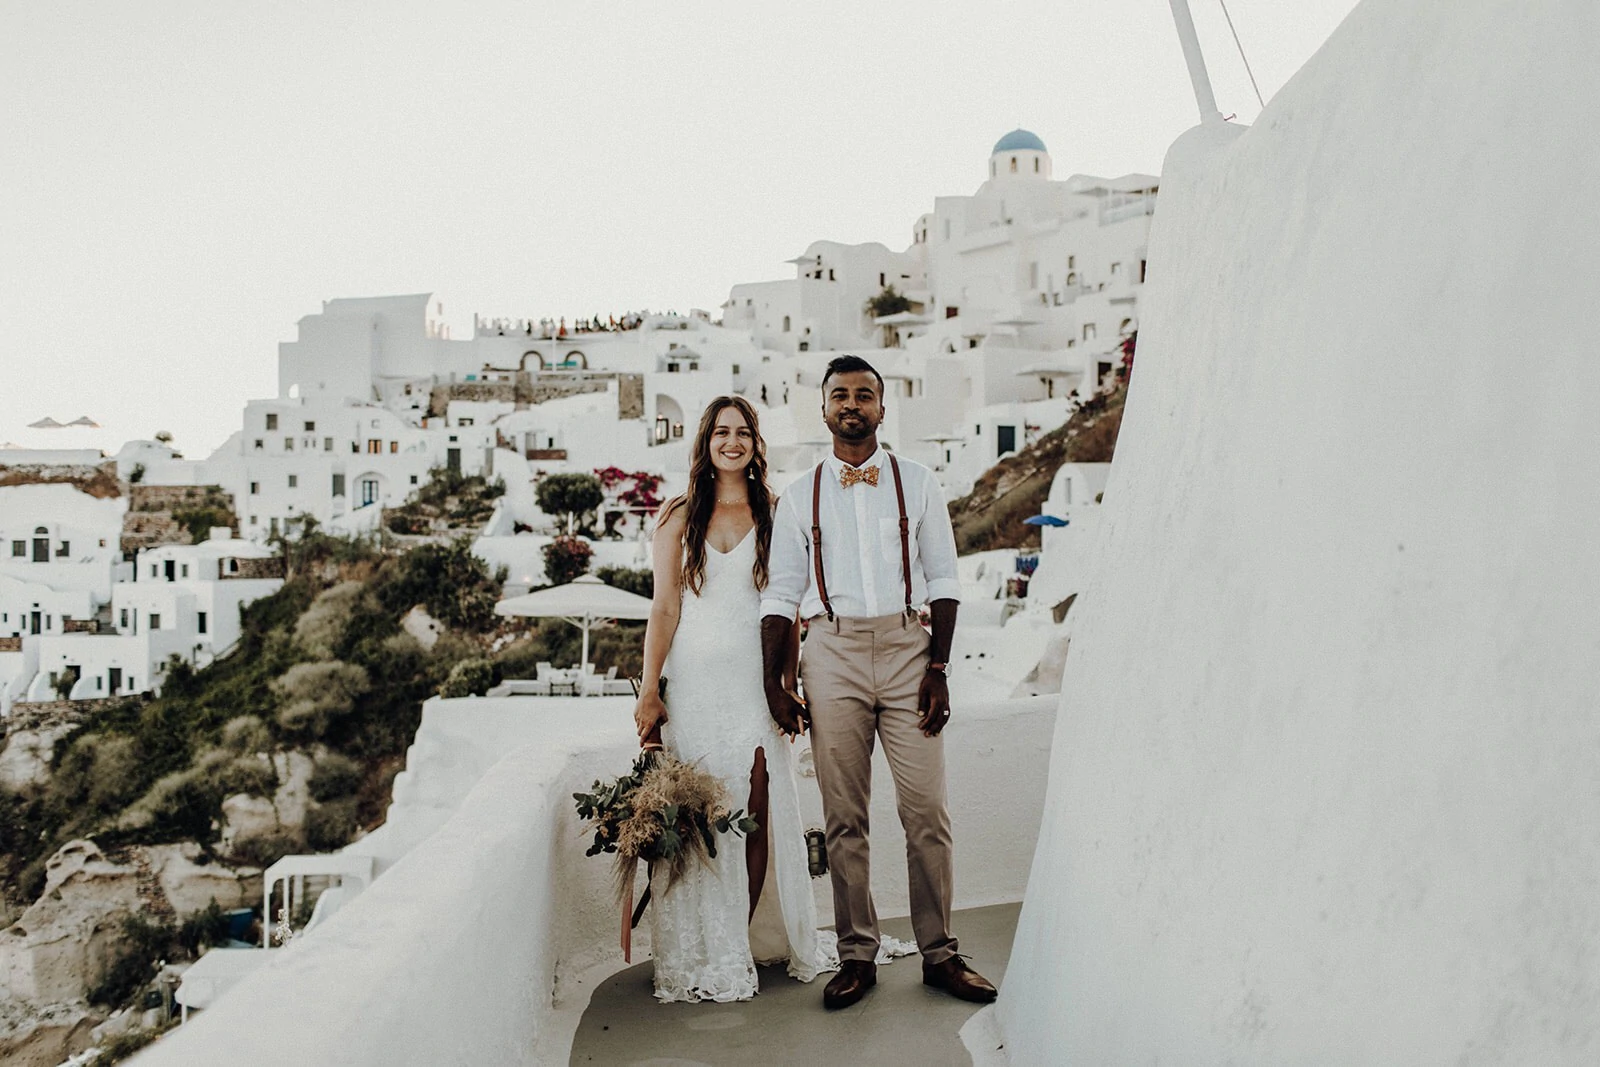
(672,517)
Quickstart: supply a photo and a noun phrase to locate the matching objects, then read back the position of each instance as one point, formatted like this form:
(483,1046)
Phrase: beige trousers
(861,678)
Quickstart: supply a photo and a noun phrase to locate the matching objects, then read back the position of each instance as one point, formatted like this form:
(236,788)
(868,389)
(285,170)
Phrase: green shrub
(144,942)
(264,849)
(570,499)
(321,629)
(332,825)
(312,695)
(246,735)
(334,776)
(125,1044)
(451,584)
(470,677)
(640,580)
(204,928)
(566,558)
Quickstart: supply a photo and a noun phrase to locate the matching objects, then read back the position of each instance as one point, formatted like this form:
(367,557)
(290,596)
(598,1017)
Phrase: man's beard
(858,430)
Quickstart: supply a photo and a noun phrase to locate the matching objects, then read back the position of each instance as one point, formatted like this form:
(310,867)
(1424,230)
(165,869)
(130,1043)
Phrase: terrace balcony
(488,937)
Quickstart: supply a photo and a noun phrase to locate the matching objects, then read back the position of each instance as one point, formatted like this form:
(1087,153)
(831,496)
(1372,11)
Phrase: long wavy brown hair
(701,499)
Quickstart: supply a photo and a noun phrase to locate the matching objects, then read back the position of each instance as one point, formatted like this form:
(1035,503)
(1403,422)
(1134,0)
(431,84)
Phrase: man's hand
(933,703)
(787,710)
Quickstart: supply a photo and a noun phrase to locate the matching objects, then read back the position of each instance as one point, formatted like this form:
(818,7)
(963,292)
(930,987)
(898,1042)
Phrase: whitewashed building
(183,600)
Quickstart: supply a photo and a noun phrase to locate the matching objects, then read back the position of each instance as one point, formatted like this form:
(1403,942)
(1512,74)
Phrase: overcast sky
(182,181)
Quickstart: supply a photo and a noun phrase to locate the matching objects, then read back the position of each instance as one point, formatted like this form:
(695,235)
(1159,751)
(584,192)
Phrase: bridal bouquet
(665,812)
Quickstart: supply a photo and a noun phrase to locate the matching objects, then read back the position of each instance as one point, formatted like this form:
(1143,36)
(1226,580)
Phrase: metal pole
(1196,60)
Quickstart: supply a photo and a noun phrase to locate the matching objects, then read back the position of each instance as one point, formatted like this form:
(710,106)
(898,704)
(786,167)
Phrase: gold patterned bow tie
(849,476)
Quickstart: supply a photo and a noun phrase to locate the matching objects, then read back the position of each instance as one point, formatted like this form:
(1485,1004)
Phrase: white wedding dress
(717,718)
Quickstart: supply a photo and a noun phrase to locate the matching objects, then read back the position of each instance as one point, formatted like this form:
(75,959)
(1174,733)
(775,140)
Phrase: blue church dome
(1019,140)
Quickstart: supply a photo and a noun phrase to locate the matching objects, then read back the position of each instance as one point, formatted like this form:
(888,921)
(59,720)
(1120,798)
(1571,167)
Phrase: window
(786,324)
(1116,270)
(672,368)
(255,488)
(155,621)
(736,368)
(260,444)
(694,364)
(288,444)
(327,444)
(1088,331)
(200,622)
(19,548)
(413,479)
(63,549)
(1141,272)
(154,570)
(881,278)
(311,427)
(463,422)
(394,446)
(338,485)
(1036,164)
(1072,279)
(355,446)
(294,481)
(1072,261)
(272,420)
(830,274)
(185,572)
(1013,164)
(369,491)
(951,312)
(124,619)
(374,446)
(254,521)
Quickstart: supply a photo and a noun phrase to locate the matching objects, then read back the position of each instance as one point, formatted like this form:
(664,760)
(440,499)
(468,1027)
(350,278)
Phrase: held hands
(933,703)
(649,714)
(787,710)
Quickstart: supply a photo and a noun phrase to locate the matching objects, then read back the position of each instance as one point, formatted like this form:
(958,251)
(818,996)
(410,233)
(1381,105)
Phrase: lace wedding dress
(717,718)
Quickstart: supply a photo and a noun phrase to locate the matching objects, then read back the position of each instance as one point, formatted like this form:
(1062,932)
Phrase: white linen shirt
(861,544)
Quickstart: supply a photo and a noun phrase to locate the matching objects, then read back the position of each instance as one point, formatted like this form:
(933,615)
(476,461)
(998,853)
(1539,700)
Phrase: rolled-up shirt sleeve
(936,544)
(787,561)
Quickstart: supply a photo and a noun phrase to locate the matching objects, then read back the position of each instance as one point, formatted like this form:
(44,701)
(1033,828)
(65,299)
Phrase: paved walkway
(901,1021)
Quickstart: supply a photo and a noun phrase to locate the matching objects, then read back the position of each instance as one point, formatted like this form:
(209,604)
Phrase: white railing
(481,944)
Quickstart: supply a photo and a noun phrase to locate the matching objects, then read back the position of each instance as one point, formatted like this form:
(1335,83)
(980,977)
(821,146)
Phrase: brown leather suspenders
(816,535)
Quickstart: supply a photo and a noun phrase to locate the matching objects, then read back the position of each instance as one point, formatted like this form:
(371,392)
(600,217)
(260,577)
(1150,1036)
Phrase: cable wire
(1240,47)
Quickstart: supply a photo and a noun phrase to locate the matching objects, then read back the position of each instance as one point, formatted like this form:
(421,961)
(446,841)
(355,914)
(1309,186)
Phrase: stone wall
(554,389)
(269,567)
(10,644)
(482,392)
(36,715)
(150,522)
(97,480)
(630,396)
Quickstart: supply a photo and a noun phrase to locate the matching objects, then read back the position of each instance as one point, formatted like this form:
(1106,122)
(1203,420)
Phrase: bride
(710,559)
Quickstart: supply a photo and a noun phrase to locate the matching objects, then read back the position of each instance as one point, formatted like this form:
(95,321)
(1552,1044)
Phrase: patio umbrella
(585,602)
(1044,520)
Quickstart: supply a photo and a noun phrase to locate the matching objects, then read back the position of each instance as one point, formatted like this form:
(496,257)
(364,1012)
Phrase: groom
(856,545)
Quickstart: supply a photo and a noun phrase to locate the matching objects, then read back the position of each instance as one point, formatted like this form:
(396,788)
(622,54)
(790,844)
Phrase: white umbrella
(584,602)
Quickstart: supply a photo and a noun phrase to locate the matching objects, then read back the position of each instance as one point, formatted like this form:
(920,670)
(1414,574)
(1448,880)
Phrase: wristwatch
(942,668)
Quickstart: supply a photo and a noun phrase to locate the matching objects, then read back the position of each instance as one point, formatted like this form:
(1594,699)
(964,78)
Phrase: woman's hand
(649,713)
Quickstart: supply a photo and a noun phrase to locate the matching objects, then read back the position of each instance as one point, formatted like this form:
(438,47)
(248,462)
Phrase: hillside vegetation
(991,516)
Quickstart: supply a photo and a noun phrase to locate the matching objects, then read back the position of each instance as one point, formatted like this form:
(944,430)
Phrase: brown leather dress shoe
(956,978)
(855,977)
